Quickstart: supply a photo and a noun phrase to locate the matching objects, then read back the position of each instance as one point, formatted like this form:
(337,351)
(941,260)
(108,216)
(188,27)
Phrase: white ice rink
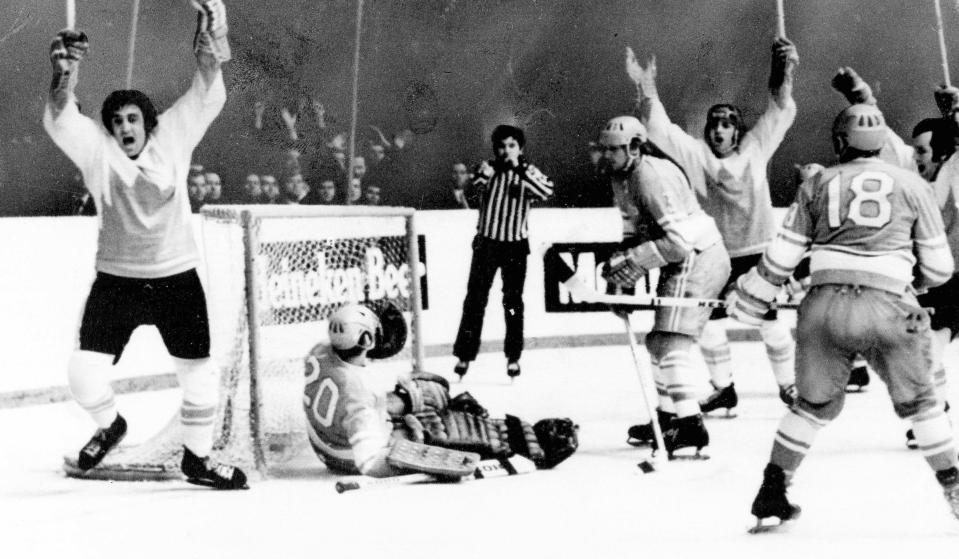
(863,493)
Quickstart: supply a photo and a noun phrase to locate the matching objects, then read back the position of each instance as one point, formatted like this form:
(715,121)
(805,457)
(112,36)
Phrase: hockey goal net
(273,275)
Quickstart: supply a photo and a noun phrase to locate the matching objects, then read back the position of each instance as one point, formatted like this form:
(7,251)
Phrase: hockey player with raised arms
(727,170)
(358,426)
(664,228)
(135,164)
(868,226)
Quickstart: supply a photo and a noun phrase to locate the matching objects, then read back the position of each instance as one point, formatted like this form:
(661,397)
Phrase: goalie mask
(860,127)
(724,129)
(348,326)
(625,135)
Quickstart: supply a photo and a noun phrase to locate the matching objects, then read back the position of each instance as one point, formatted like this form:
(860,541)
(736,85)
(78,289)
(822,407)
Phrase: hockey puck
(646,466)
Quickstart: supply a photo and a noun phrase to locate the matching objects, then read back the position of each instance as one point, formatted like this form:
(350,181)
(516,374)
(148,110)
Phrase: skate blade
(211,485)
(638,443)
(772,527)
(698,457)
(853,389)
(730,414)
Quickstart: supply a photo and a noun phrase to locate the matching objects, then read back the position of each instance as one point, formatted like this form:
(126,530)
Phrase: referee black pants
(488,256)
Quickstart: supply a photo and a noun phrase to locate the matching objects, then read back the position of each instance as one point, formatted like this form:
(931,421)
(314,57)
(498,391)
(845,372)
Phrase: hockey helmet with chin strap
(860,126)
(349,323)
(730,114)
(621,131)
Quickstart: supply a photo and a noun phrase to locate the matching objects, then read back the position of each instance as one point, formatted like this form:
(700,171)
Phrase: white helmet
(348,324)
(861,126)
(621,131)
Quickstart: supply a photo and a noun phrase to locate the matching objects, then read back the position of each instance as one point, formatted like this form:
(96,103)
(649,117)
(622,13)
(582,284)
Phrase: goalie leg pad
(523,441)
(465,431)
(431,459)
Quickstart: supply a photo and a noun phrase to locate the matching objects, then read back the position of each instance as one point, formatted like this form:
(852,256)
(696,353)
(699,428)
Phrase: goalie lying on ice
(357,427)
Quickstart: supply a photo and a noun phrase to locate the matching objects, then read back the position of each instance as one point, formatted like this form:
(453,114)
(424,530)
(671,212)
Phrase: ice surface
(863,493)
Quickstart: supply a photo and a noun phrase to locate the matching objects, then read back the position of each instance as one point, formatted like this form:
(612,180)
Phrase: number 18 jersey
(866,223)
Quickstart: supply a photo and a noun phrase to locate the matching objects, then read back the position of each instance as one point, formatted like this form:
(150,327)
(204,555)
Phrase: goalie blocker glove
(211,30)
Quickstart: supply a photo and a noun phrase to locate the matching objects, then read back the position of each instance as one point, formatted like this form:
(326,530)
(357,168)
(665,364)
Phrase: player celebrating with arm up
(868,225)
(666,229)
(727,170)
(135,166)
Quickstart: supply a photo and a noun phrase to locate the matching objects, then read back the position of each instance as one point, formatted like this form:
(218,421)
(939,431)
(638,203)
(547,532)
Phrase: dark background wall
(453,69)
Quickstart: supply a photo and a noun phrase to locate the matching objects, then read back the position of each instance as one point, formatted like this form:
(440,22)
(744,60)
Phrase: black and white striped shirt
(506,199)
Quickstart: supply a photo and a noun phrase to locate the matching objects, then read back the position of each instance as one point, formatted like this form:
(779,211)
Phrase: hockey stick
(780,19)
(640,302)
(514,465)
(131,46)
(71,14)
(649,465)
(942,45)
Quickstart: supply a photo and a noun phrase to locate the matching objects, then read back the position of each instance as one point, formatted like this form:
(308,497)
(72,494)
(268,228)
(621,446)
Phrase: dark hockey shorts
(175,304)
(944,302)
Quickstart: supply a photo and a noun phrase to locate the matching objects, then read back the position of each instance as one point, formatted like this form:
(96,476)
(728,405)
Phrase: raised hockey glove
(784,59)
(391,334)
(211,30)
(751,298)
(644,78)
(67,49)
(852,87)
(947,99)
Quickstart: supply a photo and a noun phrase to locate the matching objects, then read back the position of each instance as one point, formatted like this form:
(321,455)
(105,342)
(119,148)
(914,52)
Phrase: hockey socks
(780,349)
(934,439)
(200,386)
(88,374)
(714,345)
(796,433)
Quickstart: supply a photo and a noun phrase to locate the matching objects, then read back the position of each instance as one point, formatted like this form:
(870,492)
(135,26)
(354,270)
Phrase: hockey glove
(211,30)
(751,298)
(947,99)
(392,333)
(67,49)
(622,270)
(784,60)
(852,87)
(559,439)
(644,78)
(424,392)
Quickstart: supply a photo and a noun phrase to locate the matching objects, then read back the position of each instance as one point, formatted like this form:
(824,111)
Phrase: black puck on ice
(646,466)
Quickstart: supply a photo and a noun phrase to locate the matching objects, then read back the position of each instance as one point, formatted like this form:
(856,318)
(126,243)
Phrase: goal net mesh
(273,275)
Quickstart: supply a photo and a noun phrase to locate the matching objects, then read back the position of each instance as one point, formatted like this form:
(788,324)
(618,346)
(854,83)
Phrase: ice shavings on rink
(862,492)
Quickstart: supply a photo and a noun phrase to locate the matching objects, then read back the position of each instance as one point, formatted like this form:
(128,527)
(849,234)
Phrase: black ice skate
(771,501)
(512,370)
(643,435)
(950,488)
(210,473)
(725,397)
(858,379)
(788,394)
(461,368)
(103,441)
(686,432)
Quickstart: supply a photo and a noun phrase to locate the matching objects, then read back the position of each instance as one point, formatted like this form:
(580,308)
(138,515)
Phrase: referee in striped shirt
(508,185)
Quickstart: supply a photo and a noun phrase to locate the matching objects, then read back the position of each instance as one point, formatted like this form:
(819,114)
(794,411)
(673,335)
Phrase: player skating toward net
(664,228)
(727,170)
(357,427)
(869,226)
(135,166)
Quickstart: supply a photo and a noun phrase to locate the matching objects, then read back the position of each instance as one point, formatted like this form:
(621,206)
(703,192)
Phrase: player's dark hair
(851,153)
(503,131)
(123,97)
(941,142)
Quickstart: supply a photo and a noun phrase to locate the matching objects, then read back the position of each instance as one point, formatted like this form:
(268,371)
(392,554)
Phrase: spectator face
(402,138)
(338,142)
(595,153)
(340,159)
(252,186)
(922,153)
(295,187)
(355,191)
(359,167)
(196,185)
(128,130)
(378,153)
(461,175)
(271,190)
(327,191)
(372,196)
(508,150)
(214,186)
